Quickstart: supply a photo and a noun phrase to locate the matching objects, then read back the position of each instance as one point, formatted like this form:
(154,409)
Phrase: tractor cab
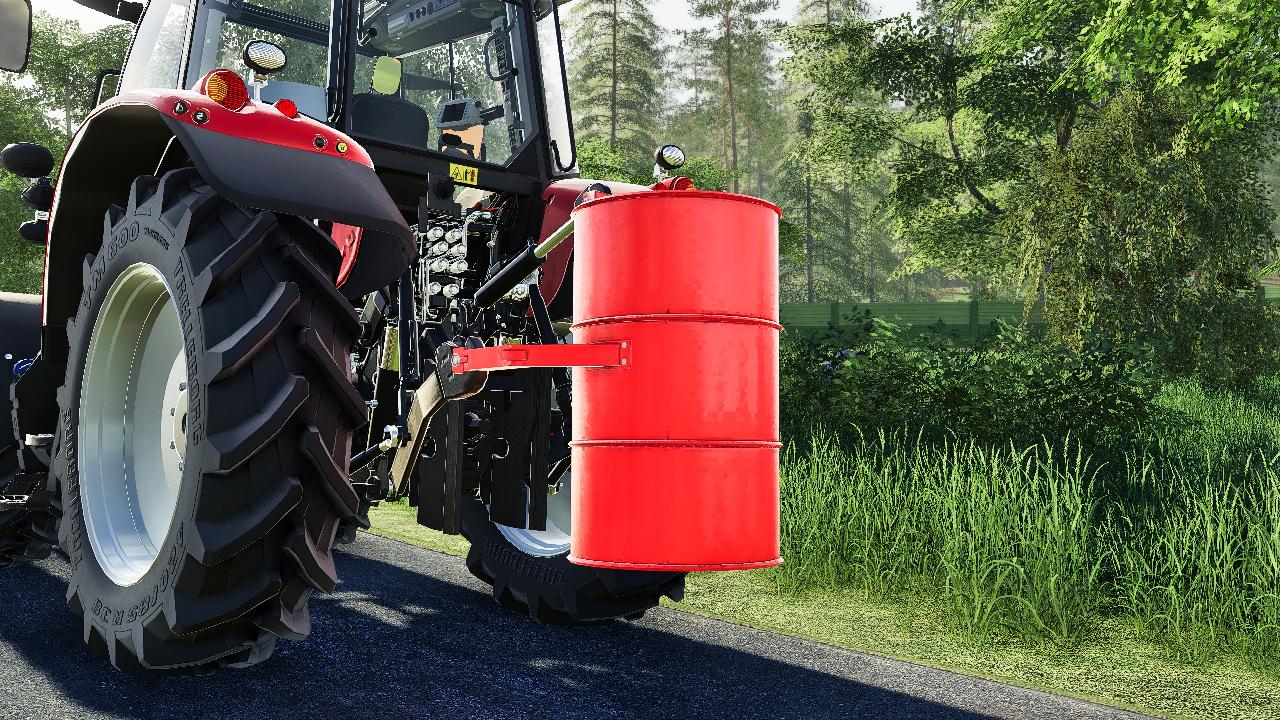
(435,81)
(467,94)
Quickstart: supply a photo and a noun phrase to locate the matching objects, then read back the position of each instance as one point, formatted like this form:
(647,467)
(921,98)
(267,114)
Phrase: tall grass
(1046,542)
(1197,556)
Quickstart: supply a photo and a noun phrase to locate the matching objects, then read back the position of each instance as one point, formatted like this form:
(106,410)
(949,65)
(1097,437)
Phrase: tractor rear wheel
(530,570)
(205,429)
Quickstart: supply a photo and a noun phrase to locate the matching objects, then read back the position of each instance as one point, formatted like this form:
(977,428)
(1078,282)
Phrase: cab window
(304,77)
(155,60)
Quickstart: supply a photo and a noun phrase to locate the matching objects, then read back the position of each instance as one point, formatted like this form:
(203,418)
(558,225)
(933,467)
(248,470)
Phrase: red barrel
(675,454)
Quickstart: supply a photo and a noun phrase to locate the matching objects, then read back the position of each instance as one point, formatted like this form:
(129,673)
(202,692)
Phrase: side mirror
(15,34)
(30,160)
(27,160)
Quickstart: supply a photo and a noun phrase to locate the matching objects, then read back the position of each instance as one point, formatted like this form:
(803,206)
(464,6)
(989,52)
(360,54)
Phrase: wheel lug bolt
(173,411)
(182,385)
(173,445)
(179,464)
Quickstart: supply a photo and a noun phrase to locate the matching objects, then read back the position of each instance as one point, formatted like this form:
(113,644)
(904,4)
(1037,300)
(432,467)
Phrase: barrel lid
(689,194)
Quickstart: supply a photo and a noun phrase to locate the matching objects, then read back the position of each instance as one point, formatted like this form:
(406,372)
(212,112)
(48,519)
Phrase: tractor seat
(384,115)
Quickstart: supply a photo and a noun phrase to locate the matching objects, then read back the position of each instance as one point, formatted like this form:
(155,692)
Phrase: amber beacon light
(225,88)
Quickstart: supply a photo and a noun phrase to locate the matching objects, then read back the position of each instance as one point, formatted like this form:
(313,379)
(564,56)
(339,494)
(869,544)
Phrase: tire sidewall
(546,574)
(551,576)
(139,237)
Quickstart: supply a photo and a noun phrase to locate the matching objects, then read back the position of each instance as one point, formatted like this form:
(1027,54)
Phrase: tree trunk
(733,110)
(962,170)
(847,196)
(1066,127)
(613,79)
(66,115)
(808,231)
(871,269)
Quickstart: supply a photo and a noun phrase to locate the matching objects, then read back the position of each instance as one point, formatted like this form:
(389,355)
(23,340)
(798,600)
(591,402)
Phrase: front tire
(197,539)
(531,574)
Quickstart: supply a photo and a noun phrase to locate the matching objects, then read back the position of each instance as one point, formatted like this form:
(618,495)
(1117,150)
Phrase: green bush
(1015,388)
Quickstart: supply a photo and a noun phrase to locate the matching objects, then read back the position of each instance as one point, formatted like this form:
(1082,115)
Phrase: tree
(46,106)
(615,79)
(956,119)
(690,117)
(737,36)
(65,62)
(21,120)
(1155,239)
(1014,168)
(829,11)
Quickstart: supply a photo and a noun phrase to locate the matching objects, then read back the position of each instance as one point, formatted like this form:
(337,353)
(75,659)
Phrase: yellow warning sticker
(463,174)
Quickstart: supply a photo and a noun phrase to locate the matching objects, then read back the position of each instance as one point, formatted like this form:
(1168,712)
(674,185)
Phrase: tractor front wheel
(205,429)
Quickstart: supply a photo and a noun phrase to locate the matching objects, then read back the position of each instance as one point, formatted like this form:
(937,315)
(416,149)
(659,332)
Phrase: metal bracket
(613,354)
(433,395)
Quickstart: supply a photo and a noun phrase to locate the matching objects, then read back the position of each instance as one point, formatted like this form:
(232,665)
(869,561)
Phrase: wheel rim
(132,424)
(555,539)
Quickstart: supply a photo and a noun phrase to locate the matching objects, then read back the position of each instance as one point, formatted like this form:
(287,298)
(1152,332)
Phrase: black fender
(122,140)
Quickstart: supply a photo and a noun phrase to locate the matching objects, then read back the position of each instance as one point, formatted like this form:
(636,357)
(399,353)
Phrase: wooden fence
(969,319)
(965,319)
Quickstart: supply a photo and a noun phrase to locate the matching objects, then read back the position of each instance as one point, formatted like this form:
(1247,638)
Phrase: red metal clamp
(514,357)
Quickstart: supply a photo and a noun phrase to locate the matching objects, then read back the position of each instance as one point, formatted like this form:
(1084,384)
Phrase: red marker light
(287,107)
(225,88)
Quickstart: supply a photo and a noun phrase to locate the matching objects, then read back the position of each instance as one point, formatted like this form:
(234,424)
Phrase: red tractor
(312,256)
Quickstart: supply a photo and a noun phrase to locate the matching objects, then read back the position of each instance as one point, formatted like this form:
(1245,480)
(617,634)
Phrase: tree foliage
(955,124)
(46,106)
(1226,50)
(615,78)
(21,120)
(1144,237)
(1011,165)
(65,62)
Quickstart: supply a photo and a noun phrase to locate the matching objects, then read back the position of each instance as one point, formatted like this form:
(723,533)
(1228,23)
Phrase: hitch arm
(615,354)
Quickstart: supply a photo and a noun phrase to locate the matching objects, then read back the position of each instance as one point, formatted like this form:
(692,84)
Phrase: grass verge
(1115,667)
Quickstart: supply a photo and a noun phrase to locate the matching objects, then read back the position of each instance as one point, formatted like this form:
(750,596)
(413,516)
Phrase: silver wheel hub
(555,539)
(132,424)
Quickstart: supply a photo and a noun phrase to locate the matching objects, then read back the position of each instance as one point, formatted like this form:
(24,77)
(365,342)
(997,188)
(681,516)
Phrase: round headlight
(669,157)
(264,57)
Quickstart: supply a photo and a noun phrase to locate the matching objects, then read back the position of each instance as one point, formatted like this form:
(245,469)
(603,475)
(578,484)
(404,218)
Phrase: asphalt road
(410,634)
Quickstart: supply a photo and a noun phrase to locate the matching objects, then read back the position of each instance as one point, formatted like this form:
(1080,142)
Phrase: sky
(673,14)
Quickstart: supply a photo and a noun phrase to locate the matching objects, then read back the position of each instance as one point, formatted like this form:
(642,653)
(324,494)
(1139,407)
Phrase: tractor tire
(249,328)
(552,589)
(29,527)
